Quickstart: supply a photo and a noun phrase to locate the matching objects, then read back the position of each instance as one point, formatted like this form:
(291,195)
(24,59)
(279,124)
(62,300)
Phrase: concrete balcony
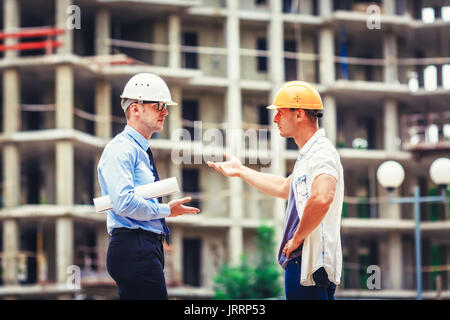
(79,212)
(358,19)
(350,226)
(151,4)
(371,89)
(358,155)
(51,136)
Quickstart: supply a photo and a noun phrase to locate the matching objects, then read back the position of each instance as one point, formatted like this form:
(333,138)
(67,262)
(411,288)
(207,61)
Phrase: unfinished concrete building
(385,86)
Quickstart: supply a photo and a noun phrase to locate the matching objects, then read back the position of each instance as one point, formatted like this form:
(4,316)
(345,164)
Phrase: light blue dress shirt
(123,166)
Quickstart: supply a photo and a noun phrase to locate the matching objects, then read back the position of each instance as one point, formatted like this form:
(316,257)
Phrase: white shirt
(322,247)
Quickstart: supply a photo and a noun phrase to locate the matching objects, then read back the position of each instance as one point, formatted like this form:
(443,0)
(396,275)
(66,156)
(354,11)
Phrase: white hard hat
(147,87)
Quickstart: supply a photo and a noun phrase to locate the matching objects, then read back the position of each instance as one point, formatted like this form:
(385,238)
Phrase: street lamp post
(390,175)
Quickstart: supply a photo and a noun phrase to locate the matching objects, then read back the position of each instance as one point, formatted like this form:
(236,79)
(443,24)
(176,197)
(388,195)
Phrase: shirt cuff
(164,210)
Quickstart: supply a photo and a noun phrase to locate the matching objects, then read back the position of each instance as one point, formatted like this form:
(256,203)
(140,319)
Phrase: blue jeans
(323,290)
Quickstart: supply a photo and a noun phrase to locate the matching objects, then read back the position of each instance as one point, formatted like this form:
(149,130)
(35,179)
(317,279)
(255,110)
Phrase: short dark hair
(312,115)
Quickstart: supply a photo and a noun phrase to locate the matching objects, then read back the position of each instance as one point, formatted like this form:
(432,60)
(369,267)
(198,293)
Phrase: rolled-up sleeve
(323,161)
(116,174)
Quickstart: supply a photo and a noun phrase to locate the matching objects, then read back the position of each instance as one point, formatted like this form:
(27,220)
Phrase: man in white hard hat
(310,251)
(137,226)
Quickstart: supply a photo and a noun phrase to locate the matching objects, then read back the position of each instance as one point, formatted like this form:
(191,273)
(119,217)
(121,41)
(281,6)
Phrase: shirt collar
(319,134)
(139,138)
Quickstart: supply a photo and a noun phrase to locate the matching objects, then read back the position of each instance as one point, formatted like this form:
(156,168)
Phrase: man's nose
(165,111)
(276,118)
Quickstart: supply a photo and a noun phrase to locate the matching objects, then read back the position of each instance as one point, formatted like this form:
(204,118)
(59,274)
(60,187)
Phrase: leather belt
(157,236)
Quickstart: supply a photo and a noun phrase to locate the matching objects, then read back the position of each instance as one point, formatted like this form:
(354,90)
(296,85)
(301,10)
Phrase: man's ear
(134,108)
(300,114)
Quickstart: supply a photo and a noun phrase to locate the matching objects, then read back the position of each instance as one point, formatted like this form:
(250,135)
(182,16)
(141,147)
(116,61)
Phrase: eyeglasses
(161,105)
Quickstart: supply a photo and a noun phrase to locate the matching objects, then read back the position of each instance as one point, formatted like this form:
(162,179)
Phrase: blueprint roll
(152,190)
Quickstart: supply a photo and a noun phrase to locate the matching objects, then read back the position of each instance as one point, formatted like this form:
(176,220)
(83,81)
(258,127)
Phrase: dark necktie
(155,173)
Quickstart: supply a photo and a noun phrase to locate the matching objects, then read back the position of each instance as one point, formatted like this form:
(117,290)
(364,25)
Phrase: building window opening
(190,59)
(191,185)
(192,249)
(190,114)
(262,60)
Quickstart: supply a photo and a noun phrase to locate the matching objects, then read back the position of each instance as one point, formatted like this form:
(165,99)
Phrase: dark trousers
(323,290)
(135,261)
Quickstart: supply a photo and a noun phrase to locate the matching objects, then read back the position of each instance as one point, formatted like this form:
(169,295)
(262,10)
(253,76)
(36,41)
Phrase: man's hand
(290,246)
(229,168)
(177,208)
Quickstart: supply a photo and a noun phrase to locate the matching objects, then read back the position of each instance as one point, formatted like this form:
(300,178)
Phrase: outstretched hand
(229,168)
(177,208)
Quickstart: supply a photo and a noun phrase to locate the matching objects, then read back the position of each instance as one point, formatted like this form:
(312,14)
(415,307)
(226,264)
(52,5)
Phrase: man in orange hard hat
(310,250)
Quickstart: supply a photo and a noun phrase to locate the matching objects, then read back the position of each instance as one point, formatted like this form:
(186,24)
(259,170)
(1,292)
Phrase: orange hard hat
(297,95)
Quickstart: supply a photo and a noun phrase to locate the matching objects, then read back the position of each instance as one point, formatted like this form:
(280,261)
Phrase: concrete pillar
(386,210)
(11,22)
(63,14)
(329,121)
(395,261)
(103,127)
(11,248)
(276,45)
(175,113)
(11,100)
(64,149)
(102,32)
(176,237)
(64,173)
(174,41)
(278,143)
(325,8)
(390,54)
(234,136)
(64,248)
(326,47)
(64,97)
(391,262)
(391,125)
(102,247)
(306,7)
(11,123)
(11,176)
(389,7)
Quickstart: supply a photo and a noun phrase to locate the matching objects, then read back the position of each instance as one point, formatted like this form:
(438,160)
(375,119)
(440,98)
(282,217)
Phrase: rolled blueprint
(152,190)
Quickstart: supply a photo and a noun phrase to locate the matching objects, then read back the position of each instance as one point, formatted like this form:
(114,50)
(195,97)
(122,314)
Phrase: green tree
(247,282)
(267,270)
